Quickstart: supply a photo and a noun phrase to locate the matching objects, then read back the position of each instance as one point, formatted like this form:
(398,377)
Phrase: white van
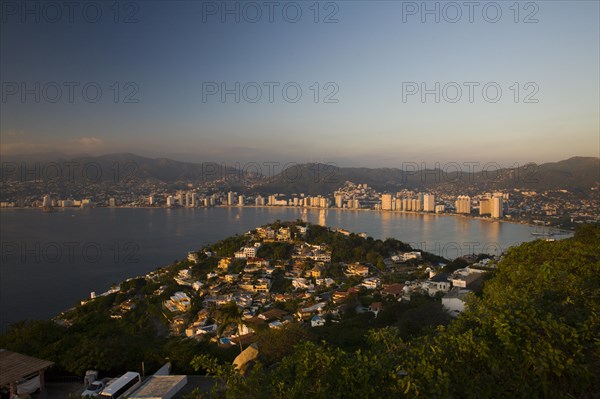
(123,386)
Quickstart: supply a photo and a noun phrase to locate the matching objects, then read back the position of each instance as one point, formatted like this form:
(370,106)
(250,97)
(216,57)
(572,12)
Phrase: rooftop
(457,292)
(15,366)
(157,386)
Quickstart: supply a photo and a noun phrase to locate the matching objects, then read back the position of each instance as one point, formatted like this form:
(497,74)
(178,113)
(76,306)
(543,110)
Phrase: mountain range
(577,173)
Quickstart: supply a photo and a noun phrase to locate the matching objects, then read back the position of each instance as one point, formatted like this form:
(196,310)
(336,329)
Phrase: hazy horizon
(474,164)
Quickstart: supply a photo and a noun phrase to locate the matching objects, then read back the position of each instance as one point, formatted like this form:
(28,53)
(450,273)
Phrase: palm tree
(230,313)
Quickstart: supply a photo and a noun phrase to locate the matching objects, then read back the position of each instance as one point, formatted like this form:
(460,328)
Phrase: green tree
(228,314)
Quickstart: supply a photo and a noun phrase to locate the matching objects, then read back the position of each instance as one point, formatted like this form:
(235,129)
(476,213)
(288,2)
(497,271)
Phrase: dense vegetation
(353,248)
(112,346)
(532,334)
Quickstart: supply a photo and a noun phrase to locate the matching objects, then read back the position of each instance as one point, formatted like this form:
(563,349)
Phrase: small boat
(542,233)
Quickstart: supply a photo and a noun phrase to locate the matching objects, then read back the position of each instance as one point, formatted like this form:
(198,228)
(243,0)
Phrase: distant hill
(577,173)
(124,165)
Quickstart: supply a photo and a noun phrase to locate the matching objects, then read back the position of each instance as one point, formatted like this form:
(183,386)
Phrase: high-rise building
(112,202)
(399,204)
(66,203)
(386,202)
(170,200)
(416,204)
(339,200)
(405,204)
(241,200)
(230,198)
(151,200)
(485,206)
(463,204)
(497,210)
(429,203)
(47,201)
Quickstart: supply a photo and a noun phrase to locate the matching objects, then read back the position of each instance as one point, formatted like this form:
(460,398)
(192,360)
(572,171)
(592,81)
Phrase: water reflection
(323,217)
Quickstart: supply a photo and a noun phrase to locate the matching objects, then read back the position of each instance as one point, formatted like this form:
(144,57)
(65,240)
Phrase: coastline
(312,208)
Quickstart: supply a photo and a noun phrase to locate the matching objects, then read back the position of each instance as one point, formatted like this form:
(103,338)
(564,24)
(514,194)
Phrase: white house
(247,252)
(302,284)
(454,301)
(406,256)
(327,282)
(193,257)
(317,321)
(371,283)
(464,278)
(438,283)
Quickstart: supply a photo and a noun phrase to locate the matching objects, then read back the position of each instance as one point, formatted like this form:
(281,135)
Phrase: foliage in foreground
(532,334)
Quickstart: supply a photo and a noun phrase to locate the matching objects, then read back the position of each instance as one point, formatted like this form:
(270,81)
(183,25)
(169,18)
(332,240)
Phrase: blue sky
(177,49)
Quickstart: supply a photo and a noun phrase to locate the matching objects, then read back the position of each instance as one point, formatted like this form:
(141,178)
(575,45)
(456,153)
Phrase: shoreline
(311,208)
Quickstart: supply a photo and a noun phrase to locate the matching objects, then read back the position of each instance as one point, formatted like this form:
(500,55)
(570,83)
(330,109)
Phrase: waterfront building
(463,204)
(170,200)
(429,203)
(47,201)
(485,206)
(386,202)
(497,210)
(399,204)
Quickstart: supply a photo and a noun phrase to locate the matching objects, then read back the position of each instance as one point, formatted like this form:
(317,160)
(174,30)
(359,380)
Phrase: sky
(357,83)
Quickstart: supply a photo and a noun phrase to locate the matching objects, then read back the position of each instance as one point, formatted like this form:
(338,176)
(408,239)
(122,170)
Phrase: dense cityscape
(560,208)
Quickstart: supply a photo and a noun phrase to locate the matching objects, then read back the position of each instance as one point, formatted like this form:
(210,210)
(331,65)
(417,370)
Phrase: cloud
(74,146)
(12,133)
(88,142)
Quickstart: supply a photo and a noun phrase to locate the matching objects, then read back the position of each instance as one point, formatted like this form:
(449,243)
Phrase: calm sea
(50,261)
